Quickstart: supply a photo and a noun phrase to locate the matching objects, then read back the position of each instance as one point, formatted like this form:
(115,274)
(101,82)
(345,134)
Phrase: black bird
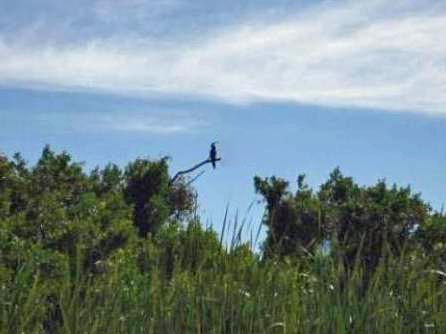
(213,154)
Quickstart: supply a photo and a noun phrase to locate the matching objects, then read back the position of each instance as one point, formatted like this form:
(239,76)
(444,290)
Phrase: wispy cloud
(356,54)
(148,125)
(149,122)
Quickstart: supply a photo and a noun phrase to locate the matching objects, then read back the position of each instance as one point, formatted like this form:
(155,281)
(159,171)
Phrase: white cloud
(362,54)
(148,125)
(148,122)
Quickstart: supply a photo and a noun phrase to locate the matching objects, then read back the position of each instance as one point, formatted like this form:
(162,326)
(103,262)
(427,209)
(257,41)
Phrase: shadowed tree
(147,190)
(292,220)
(367,222)
(362,223)
(431,236)
(153,197)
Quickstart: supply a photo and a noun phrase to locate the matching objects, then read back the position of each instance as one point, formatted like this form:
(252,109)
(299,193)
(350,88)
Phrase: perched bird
(213,154)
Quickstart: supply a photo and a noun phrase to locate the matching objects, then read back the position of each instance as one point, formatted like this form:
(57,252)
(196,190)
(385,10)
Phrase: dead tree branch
(195,178)
(186,171)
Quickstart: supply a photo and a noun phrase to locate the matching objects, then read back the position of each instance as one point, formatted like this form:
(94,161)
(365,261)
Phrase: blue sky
(286,87)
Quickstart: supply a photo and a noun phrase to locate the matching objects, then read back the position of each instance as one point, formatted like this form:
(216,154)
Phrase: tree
(361,223)
(367,222)
(292,220)
(431,236)
(5,176)
(154,199)
(54,206)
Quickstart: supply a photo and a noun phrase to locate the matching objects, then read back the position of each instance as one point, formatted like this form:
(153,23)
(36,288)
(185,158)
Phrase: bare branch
(186,171)
(195,178)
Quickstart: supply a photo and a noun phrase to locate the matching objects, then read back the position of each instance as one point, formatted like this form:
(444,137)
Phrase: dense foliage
(123,251)
(359,223)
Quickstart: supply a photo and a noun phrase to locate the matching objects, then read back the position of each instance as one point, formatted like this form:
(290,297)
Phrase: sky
(286,87)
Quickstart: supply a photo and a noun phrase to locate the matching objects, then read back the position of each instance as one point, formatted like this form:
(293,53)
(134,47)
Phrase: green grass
(236,292)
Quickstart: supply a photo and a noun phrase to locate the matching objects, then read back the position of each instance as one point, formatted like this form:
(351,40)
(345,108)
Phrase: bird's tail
(213,164)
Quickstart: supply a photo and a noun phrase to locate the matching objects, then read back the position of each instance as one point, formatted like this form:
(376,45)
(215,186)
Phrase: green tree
(292,220)
(56,207)
(367,222)
(432,239)
(361,223)
(153,198)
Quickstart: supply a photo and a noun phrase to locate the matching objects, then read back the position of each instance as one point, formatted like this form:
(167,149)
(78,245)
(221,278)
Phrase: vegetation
(123,251)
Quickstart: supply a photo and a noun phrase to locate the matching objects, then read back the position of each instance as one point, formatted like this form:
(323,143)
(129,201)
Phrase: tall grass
(233,291)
